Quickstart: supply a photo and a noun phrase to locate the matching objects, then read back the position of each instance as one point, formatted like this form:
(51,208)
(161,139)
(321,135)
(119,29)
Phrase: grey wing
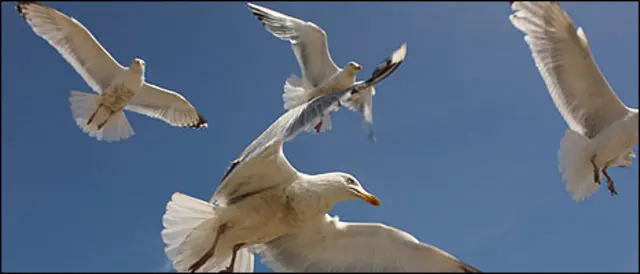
(309,43)
(363,103)
(263,160)
(361,97)
(562,54)
(74,42)
(329,245)
(166,105)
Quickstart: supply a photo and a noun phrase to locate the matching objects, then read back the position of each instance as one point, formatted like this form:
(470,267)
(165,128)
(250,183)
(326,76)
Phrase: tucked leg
(101,125)
(318,127)
(207,255)
(596,172)
(610,185)
(229,268)
(93,115)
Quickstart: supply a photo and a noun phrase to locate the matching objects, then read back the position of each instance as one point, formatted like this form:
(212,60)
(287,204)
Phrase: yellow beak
(370,198)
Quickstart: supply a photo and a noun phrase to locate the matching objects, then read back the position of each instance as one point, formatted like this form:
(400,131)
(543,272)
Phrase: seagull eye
(350,181)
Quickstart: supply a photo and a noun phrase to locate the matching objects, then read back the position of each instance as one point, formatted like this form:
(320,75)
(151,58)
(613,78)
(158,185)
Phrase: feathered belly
(117,97)
(615,142)
(260,218)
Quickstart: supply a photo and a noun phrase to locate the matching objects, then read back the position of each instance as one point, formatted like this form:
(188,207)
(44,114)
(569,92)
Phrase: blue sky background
(467,133)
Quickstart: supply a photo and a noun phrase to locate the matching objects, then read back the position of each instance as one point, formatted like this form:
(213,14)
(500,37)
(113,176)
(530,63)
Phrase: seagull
(262,196)
(119,88)
(320,75)
(602,130)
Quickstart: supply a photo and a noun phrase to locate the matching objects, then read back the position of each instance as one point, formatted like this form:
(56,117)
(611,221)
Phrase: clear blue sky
(467,133)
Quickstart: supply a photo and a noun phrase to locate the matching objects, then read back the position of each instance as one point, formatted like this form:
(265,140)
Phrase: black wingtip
(20,6)
(201,123)
(258,14)
(469,269)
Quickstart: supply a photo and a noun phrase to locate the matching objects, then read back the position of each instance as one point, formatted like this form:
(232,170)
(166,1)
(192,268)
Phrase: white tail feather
(190,227)
(84,105)
(575,165)
(294,93)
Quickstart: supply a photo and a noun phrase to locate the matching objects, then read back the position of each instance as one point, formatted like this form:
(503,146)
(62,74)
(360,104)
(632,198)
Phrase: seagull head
(353,66)
(138,64)
(339,186)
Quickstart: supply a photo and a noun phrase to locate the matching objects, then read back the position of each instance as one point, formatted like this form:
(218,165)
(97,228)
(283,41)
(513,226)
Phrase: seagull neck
(314,194)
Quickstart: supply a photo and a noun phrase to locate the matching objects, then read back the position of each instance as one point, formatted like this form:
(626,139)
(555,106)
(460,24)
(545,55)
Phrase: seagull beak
(369,198)
(358,67)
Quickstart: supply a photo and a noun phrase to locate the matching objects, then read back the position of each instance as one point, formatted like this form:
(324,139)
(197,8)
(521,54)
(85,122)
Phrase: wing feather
(309,43)
(329,245)
(74,42)
(166,105)
(562,54)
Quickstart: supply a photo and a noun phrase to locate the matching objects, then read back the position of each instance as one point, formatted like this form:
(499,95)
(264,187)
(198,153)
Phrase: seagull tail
(294,94)
(88,114)
(575,165)
(190,227)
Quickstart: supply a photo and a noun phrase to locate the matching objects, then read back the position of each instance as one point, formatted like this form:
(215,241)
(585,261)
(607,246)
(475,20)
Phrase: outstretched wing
(74,42)
(166,105)
(563,57)
(333,246)
(309,43)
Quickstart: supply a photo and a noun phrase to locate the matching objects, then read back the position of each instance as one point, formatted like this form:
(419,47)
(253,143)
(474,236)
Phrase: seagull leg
(207,255)
(93,115)
(101,125)
(229,268)
(318,127)
(610,185)
(596,172)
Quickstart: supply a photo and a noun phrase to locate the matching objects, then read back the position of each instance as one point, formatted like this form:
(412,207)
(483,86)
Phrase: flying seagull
(320,75)
(602,130)
(119,88)
(261,196)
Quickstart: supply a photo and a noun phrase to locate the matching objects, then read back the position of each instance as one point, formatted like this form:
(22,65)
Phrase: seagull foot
(610,185)
(612,188)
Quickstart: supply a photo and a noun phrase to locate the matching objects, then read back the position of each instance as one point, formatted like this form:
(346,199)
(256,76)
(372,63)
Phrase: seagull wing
(309,43)
(329,245)
(74,42)
(579,90)
(166,105)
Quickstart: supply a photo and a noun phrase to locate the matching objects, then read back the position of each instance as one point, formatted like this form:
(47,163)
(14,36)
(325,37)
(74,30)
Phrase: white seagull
(320,75)
(602,130)
(118,87)
(261,196)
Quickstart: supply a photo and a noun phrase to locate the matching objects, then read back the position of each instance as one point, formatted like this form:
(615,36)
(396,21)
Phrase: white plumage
(261,196)
(329,245)
(185,216)
(602,130)
(118,88)
(320,75)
